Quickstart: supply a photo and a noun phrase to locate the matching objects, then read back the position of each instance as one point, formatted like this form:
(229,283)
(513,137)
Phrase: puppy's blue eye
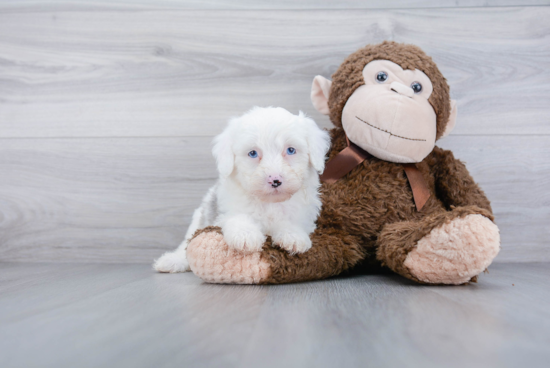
(291,150)
(253,154)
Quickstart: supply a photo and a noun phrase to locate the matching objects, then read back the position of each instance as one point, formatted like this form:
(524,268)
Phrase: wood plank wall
(107,108)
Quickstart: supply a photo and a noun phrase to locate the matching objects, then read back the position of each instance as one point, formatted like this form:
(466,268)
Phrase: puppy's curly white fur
(269,162)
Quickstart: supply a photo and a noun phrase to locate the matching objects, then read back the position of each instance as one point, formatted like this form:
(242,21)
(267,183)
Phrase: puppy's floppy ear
(318,142)
(223,152)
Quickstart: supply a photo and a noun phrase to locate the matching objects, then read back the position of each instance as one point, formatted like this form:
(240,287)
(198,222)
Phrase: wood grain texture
(155,72)
(69,5)
(127,200)
(109,200)
(107,108)
(70,315)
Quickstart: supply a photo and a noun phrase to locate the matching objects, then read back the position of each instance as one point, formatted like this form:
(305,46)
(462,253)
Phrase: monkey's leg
(443,248)
(332,252)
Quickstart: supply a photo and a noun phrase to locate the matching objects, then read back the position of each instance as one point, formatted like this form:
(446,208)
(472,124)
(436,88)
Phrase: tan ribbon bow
(353,155)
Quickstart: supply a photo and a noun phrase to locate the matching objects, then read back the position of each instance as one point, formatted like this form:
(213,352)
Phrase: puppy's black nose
(276,183)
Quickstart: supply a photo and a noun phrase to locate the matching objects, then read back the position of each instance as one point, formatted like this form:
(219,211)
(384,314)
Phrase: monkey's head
(390,99)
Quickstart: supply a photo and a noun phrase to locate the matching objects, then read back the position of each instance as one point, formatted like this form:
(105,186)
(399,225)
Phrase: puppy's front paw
(293,242)
(244,239)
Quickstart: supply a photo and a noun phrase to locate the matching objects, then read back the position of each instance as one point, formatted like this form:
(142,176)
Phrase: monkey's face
(390,116)
(393,113)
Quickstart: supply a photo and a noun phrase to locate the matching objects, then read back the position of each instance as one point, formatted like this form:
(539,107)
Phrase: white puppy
(269,162)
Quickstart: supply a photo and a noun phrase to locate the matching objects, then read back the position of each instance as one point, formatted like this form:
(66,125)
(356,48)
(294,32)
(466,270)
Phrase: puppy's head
(270,152)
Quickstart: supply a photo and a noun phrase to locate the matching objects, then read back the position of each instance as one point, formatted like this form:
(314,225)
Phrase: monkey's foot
(455,252)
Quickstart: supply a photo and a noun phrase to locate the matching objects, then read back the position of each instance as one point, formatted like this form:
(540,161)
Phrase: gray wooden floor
(99,315)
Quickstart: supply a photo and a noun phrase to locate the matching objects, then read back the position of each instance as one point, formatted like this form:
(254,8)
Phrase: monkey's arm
(453,183)
(333,251)
(214,261)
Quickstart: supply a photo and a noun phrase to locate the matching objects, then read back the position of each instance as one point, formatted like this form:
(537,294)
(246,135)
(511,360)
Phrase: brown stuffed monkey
(391,198)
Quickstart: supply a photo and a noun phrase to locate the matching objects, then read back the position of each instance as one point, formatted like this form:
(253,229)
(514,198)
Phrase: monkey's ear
(320,91)
(452,119)
(223,152)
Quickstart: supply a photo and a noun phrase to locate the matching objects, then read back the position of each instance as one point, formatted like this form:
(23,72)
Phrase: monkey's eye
(253,154)
(417,87)
(381,77)
(291,150)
